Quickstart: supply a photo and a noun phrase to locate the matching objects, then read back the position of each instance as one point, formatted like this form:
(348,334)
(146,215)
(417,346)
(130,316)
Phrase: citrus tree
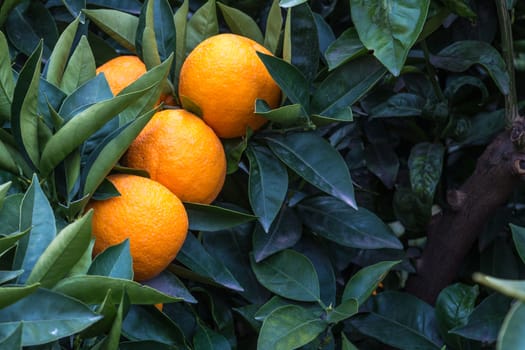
(262,174)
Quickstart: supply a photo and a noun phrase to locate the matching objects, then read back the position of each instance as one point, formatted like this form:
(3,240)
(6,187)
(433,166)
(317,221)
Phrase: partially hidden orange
(181,152)
(224,76)
(149,215)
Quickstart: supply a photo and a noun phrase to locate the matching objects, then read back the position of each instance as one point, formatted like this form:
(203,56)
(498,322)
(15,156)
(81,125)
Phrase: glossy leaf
(296,151)
(4,188)
(169,284)
(180,19)
(201,25)
(60,55)
(13,341)
(289,327)
(400,320)
(288,115)
(290,275)
(10,215)
(35,214)
(284,233)
(120,26)
(461,55)
(291,3)
(194,256)
(304,41)
(114,261)
(92,290)
(346,344)
(511,332)
(364,282)
(518,236)
(336,221)
(63,252)
(47,316)
(11,294)
(113,338)
(7,81)
(80,68)
(344,49)
(240,23)
(425,165)
(207,339)
(267,185)
(274,23)
(345,85)
(6,276)
(203,217)
(389,28)
(343,311)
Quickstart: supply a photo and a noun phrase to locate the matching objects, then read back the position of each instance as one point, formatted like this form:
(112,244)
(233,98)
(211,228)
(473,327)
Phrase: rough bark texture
(452,233)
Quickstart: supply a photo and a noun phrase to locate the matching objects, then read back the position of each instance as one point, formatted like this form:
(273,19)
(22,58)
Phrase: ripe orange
(181,152)
(121,71)
(147,213)
(224,76)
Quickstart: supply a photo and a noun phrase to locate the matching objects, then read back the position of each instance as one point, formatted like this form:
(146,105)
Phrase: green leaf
(343,311)
(145,344)
(346,48)
(108,309)
(181,19)
(207,339)
(389,28)
(240,23)
(399,105)
(9,241)
(63,252)
(345,85)
(35,214)
(3,192)
(80,68)
(47,316)
(10,214)
(284,233)
(7,81)
(169,284)
(454,305)
(289,274)
(297,152)
(274,23)
(267,184)
(400,320)
(425,165)
(194,256)
(461,55)
(6,276)
(115,262)
(336,221)
(5,8)
(290,3)
(461,8)
(486,319)
(120,26)
(24,113)
(201,25)
(203,217)
(304,41)
(13,341)
(289,327)
(346,344)
(511,333)
(383,162)
(60,55)
(111,342)
(92,290)
(518,235)
(286,116)
(7,158)
(364,282)
(290,79)
(11,294)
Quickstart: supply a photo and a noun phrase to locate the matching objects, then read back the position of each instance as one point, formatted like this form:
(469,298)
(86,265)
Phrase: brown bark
(452,233)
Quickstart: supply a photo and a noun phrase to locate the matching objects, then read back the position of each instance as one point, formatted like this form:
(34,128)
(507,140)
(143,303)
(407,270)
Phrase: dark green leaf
(453,307)
(5,8)
(483,127)
(461,55)
(93,289)
(80,68)
(120,26)
(10,214)
(274,23)
(12,294)
(289,327)
(461,8)
(204,217)
(267,185)
(35,214)
(201,25)
(13,341)
(486,319)
(304,41)
(343,311)
(511,332)
(288,115)
(240,23)
(194,256)
(383,162)
(6,276)
(389,28)
(169,284)
(362,284)
(296,151)
(399,105)
(111,342)
(60,55)
(47,316)
(336,221)
(290,275)
(346,344)
(346,85)
(7,242)
(289,78)
(115,262)
(518,235)
(181,19)
(284,233)
(346,48)
(400,320)
(425,165)
(7,81)
(207,339)
(145,344)
(63,252)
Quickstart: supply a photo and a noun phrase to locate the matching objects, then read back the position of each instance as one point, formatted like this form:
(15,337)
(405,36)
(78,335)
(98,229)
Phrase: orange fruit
(181,152)
(224,76)
(147,213)
(121,71)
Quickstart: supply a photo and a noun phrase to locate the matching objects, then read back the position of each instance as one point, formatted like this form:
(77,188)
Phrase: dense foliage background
(356,219)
